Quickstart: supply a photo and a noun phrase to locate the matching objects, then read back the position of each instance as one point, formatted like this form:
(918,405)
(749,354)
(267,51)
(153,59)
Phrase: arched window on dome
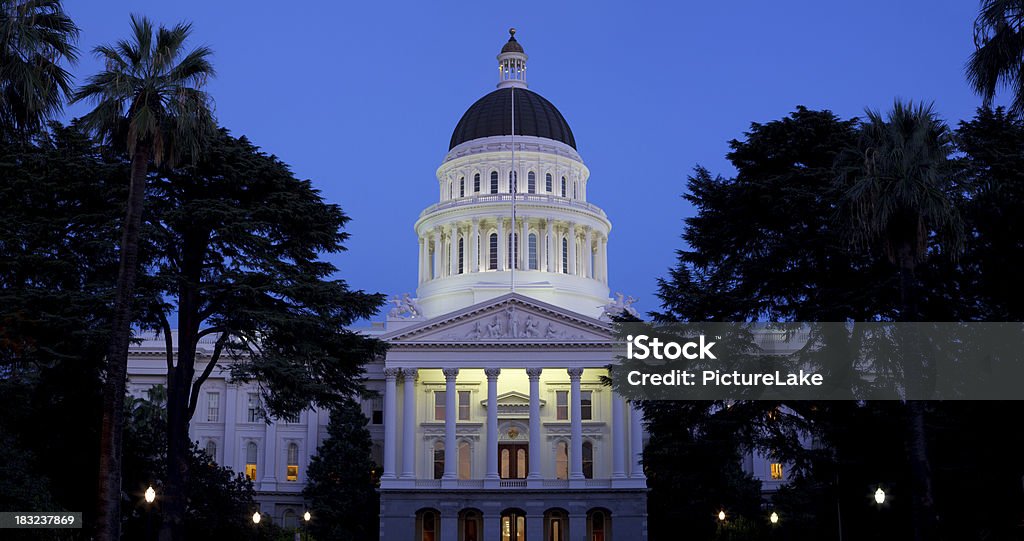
(513,250)
(494,182)
(492,259)
(575,190)
(531,182)
(476,183)
(547,183)
(563,187)
(462,187)
(565,255)
(462,255)
(532,240)
(513,182)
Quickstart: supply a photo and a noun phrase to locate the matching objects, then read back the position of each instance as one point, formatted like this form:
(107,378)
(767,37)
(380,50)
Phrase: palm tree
(999,51)
(36,38)
(898,185)
(149,102)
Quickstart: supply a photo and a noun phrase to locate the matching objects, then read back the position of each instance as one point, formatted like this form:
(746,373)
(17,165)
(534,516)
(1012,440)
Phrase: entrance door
(513,460)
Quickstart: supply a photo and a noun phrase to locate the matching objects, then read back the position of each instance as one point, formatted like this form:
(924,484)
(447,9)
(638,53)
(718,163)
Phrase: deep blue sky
(362,97)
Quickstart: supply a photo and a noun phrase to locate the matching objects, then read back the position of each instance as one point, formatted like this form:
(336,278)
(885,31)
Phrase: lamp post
(879,496)
(150,497)
(256,517)
(306,517)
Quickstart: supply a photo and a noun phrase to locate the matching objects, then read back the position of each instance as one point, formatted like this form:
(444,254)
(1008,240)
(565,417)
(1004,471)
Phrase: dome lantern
(512,63)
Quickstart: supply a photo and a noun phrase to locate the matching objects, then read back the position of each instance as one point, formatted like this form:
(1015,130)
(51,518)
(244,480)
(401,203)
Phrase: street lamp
(306,516)
(879,496)
(773,518)
(721,515)
(256,517)
(150,494)
(150,497)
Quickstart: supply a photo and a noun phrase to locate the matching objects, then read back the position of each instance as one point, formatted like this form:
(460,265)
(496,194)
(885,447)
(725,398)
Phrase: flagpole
(514,181)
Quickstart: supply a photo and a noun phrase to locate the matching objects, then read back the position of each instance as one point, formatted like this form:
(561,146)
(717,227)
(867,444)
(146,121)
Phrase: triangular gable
(509,318)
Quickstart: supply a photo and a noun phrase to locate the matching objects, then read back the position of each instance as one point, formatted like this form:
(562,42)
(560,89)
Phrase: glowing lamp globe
(150,495)
(879,496)
(256,517)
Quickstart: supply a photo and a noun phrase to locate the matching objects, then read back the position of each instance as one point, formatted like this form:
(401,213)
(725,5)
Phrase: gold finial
(511,33)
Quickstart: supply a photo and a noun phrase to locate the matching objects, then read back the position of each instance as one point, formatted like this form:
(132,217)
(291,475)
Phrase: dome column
(502,245)
(588,252)
(474,244)
(572,249)
(604,259)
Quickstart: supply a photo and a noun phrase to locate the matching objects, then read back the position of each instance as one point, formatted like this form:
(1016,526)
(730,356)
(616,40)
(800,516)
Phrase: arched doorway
(428,525)
(471,525)
(513,525)
(599,525)
(556,525)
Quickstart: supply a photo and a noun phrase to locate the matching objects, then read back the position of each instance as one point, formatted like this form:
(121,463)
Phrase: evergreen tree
(341,480)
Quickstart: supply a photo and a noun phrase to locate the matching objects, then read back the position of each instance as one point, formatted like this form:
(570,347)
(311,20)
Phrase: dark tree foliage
(59,222)
(341,486)
(220,501)
(236,242)
(774,243)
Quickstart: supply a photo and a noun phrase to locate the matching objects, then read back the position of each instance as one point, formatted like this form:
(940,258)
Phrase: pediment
(509,319)
(513,399)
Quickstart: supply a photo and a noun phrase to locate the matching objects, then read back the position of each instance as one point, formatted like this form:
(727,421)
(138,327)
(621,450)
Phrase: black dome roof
(492,115)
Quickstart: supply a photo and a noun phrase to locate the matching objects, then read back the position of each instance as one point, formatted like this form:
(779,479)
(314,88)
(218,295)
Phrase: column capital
(492,373)
(574,373)
(410,374)
(534,373)
(450,372)
(392,373)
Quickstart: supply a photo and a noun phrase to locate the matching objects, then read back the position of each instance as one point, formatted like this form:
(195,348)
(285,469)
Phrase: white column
(542,249)
(492,422)
(502,245)
(390,424)
(550,246)
(618,438)
(636,443)
(572,249)
(451,454)
(603,258)
(229,445)
(535,442)
(474,243)
(269,474)
(436,263)
(524,244)
(453,250)
(409,423)
(312,424)
(576,424)
(588,252)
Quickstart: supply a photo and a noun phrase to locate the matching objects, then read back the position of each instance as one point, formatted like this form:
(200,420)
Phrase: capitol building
(492,423)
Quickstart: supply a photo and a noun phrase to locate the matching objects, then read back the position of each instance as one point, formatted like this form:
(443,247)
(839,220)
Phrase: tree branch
(168,341)
(194,395)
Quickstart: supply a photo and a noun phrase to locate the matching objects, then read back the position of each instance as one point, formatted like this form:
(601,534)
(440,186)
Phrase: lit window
(476,183)
(439,403)
(438,460)
(531,182)
(293,463)
(776,470)
(586,405)
(428,526)
(254,414)
(494,182)
(492,262)
(464,464)
(532,241)
(463,405)
(250,460)
(213,407)
(588,460)
(561,460)
(547,183)
(561,405)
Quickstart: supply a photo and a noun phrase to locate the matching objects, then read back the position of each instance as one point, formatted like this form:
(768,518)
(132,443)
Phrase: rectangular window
(439,402)
(250,471)
(463,405)
(213,407)
(586,405)
(776,470)
(561,405)
(292,474)
(254,414)
(377,411)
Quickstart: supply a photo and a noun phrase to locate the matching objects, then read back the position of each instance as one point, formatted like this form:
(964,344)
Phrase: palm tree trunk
(923,515)
(108,505)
